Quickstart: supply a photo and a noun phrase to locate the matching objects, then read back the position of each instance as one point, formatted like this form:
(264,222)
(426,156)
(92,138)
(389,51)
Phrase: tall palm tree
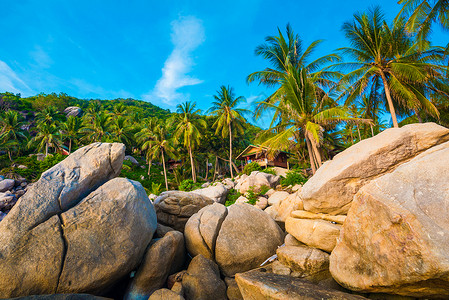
(188,127)
(97,129)
(229,116)
(48,136)
(385,56)
(49,115)
(121,130)
(10,131)
(119,110)
(304,112)
(71,130)
(421,16)
(282,51)
(161,145)
(144,136)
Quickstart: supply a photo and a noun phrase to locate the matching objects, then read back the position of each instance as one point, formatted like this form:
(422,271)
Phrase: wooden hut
(264,156)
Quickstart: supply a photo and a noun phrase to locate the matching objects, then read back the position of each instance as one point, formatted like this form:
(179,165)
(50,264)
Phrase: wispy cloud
(89,90)
(187,34)
(10,81)
(41,58)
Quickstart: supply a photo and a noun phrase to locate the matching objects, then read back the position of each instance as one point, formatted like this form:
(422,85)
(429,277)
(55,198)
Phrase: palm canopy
(71,129)
(229,116)
(188,124)
(421,16)
(304,112)
(11,134)
(188,127)
(387,59)
(287,50)
(98,128)
(225,108)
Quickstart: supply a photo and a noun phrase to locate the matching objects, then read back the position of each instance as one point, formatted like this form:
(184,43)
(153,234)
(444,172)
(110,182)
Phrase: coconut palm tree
(49,115)
(386,57)
(304,111)
(144,136)
(11,134)
(161,145)
(48,136)
(71,130)
(121,130)
(282,51)
(188,126)
(229,116)
(97,129)
(421,16)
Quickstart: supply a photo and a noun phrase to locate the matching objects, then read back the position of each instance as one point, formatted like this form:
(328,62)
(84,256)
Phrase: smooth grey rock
(163,258)
(6,185)
(73,111)
(106,235)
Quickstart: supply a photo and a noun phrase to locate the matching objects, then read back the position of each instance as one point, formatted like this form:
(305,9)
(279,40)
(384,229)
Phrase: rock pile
(10,191)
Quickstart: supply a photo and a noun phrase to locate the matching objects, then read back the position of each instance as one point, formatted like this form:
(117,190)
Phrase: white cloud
(41,58)
(10,81)
(86,89)
(187,34)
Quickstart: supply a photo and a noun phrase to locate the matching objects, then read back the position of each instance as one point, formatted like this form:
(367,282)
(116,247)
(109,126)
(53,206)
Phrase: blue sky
(165,52)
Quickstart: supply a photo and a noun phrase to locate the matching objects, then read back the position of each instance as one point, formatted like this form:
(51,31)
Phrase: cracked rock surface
(75,230)
(334,185)
(238,238)
(395,238)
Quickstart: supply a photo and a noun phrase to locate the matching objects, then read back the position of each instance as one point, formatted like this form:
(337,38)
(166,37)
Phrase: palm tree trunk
(316,153)
(149,168)
(372,131)
(389,100)
(46,149)
(418,116)
(207,167)
(192,164)
(358,130)
(215,168)
(312,162)
(165,171)
(9,154)
(230,150)
(70,146)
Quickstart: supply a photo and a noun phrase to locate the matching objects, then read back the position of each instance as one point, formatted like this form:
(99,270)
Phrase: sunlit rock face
(334,185)
(77,229)
(395,238)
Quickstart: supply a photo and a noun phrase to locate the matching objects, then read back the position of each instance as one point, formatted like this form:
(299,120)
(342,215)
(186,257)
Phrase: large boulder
(164,257)
(315,233)
(6,185)
(396,236)
(75,230)
(73,111)
(305,262)
(256,180)
(260,284)
(239,237)
(174,208)
(277,196)
(216,192)
(334,185)
(282,209)
(202,280)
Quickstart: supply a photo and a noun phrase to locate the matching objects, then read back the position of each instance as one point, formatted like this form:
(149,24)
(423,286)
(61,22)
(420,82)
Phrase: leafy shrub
(156,188)
(251,167)
(263,190)
(293,177)
(252,196)
(231,197)
(34,168)
(269,171)
(188,185)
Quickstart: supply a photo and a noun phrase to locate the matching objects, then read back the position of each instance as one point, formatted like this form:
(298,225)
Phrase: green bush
(269,171)
(34,168)
(251,167)
(263,190)
(188,185)
(293,177)
(231,197)
(252,196)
